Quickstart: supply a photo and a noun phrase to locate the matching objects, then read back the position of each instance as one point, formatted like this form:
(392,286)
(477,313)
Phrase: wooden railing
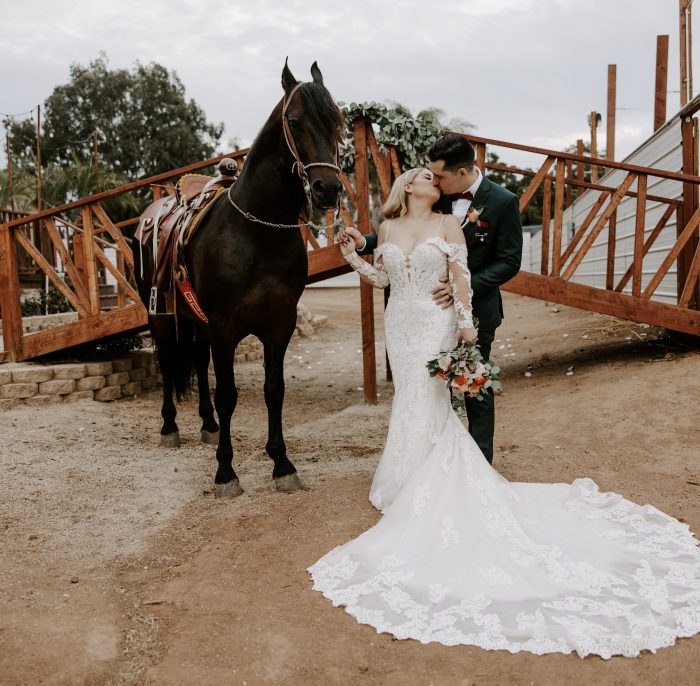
(562,255)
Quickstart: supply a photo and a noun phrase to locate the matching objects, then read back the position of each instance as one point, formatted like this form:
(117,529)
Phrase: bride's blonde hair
(396,204)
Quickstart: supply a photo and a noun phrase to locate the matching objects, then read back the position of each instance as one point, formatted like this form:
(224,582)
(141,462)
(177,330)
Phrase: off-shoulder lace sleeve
(374,274)
(461,283)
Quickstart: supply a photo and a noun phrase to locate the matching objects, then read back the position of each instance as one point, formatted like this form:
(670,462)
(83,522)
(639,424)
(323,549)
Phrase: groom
(490,219)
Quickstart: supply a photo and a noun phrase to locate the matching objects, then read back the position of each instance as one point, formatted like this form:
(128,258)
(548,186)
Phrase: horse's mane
(319,100)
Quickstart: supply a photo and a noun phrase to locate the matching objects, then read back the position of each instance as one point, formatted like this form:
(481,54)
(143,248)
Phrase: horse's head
(313,128)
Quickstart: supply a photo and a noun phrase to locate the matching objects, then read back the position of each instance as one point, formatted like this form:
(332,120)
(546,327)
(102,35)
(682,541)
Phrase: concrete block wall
(27,383)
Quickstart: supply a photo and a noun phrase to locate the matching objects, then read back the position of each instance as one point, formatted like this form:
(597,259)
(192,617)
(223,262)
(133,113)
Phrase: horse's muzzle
(324,194)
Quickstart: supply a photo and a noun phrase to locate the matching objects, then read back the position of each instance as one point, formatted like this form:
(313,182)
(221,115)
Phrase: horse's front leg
(210,429)
(284,472)
(225,398)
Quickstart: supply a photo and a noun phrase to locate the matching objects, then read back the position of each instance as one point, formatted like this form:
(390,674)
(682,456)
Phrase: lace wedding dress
(461,555)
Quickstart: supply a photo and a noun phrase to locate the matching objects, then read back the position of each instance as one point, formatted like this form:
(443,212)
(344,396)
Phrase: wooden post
(558,216)
(612,237)
(612,92)
(661,82)
(546,217)
(690,205)
(9,295)
(90,262)
(639,235)
(366,290)
(38,158)
(593,121)
(569,187)
(580,166)
(685,44)
(481,156)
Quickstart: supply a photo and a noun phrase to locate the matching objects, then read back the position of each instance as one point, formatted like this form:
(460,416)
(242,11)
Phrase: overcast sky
(526,71)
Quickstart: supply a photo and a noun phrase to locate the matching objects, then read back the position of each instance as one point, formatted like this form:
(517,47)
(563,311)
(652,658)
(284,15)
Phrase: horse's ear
(316,73)
(288,80)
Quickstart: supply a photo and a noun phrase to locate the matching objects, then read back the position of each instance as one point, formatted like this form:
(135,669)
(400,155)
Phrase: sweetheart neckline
(415,247)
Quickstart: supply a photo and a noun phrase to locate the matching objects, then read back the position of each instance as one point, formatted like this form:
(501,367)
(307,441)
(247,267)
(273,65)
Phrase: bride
(461,555)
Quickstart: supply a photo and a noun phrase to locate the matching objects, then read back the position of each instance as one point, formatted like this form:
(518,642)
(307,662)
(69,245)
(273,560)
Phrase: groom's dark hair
(454,150)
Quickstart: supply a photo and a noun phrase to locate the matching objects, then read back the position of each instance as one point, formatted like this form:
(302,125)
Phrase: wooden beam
(48,269)
(685,236)
(610,130)
(605,302)
(121,300)
(123,285)
(690,203)
(366,291)
(59,246)
(115,233)
(90,264)
(683,44)
(569,197)
(691,283)
(535,183)
(395,166)
(10,306)
(595,208)
(647,244)
(608,164)
(480,149)
(558,216)
(546,219)
(384,177)
(600,224)
(88,329)
(348,188)
(639,236)
(661,85)
(610,261)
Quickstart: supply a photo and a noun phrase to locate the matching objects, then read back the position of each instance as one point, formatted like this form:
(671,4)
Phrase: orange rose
(441,374)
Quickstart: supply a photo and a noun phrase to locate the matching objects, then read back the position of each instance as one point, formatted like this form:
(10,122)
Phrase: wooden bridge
(85,244)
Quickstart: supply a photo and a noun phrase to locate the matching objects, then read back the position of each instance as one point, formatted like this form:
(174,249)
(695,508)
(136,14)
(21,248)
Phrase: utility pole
(593,121)
(9,171)
(38,157)
(96,161)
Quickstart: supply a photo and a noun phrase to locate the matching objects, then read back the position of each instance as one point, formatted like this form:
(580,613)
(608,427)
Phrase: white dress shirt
(461,206)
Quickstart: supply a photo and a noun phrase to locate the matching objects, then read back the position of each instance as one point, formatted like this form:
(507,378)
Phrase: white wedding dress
(461,555)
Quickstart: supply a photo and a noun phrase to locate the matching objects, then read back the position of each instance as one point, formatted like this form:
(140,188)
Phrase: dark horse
(249,274)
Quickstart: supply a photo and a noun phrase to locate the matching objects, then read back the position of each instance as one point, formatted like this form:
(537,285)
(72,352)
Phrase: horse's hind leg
(225,399)
(284,472)
(169,433)
(210,429)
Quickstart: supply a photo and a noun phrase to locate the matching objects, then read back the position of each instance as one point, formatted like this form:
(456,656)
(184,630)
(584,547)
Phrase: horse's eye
(295,124)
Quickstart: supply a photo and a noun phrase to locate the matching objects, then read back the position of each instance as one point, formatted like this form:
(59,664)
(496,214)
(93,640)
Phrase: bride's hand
(467,335)
(350,240)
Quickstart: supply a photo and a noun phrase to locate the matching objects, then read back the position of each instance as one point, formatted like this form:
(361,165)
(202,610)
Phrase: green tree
(145,125)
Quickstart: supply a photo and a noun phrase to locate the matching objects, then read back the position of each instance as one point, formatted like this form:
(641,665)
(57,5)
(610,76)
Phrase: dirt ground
(119,567)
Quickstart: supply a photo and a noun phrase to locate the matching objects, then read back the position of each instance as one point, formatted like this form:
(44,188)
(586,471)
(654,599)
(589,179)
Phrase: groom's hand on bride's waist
(442,295)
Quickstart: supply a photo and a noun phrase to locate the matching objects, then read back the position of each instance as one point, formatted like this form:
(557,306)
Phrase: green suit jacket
(494,249)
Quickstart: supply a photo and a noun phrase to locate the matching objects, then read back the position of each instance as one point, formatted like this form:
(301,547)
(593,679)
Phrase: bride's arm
(460,279)
(374,274)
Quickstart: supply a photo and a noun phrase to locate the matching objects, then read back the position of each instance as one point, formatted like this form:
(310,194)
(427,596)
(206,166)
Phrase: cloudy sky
(527,71)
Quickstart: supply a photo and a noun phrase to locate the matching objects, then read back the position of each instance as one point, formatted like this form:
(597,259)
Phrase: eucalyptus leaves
(396,127)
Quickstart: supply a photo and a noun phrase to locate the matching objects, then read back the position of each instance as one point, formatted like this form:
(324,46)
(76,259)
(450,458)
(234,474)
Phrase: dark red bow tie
(461,196)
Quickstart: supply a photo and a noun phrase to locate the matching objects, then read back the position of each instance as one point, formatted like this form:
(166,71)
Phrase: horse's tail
(175,354)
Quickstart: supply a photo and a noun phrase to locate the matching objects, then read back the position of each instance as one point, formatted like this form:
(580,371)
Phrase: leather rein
(298,168)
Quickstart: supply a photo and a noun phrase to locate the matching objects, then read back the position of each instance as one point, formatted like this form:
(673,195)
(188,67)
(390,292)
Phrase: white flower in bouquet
(444,362)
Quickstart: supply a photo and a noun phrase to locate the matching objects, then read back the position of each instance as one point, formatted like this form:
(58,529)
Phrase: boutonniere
(474,217)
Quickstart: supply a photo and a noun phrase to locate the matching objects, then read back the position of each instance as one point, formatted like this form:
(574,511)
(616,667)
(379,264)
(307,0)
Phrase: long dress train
(461,555)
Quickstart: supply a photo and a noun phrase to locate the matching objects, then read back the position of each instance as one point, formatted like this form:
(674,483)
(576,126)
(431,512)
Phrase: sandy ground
(119,567)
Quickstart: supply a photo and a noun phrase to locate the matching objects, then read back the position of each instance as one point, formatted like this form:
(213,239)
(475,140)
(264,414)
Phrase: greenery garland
(393,126)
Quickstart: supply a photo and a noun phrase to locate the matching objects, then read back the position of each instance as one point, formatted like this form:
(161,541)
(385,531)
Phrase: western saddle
(167,226)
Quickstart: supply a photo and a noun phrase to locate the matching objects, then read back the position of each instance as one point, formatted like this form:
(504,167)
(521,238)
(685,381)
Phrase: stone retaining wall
(29,383)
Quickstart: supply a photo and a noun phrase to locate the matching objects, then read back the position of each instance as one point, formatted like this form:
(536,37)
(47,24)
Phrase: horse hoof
(288,483)
(210,437)
(228,491)
(170,440)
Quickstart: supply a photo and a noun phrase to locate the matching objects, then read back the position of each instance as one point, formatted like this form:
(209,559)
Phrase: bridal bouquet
(464,371)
